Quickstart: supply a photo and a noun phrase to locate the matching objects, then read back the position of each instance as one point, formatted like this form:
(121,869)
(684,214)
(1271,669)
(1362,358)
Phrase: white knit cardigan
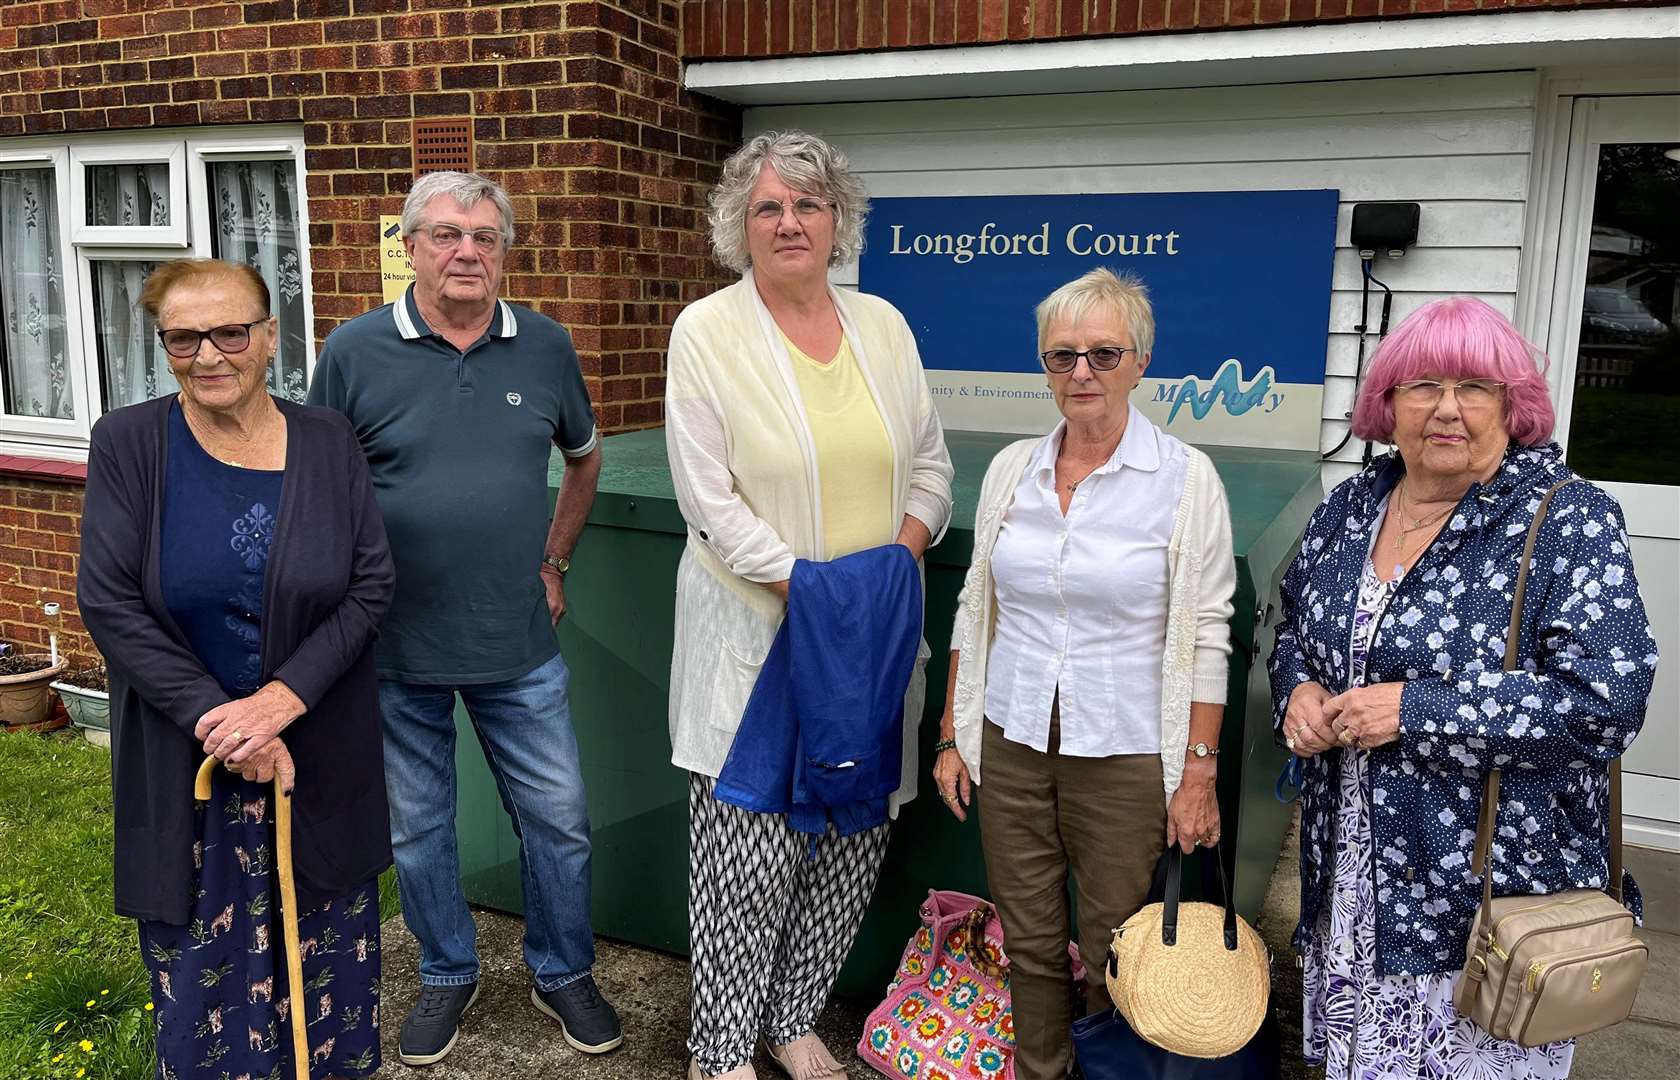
(743,463)
(1196,653)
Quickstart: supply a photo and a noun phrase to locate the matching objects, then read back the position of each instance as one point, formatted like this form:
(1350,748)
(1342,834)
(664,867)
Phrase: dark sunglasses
(232,338)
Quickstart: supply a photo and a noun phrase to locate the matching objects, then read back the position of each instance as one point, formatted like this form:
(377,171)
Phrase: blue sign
(1239,281)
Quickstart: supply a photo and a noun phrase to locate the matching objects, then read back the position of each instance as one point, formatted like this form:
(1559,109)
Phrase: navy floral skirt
(219,983)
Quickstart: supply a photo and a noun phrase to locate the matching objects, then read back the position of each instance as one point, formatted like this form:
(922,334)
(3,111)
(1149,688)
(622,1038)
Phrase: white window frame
(205,148)
(189,153)
(172,153)
(53,431)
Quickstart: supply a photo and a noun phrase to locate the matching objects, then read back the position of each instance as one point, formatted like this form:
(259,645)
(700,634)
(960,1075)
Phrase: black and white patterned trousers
(770,923)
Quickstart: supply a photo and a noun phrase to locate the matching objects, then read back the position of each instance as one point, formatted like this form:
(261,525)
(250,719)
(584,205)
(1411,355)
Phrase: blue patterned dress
(219,983)
(1363,1026)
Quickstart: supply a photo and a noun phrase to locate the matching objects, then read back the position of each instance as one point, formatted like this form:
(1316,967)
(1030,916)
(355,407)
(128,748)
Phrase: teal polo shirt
(459,444)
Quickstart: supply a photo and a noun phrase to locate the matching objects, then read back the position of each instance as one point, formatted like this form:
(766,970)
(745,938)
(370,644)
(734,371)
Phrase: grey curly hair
(465,188)
(806,163)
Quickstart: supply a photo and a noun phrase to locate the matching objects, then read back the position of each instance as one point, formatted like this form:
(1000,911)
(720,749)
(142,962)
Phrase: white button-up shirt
(1082,599)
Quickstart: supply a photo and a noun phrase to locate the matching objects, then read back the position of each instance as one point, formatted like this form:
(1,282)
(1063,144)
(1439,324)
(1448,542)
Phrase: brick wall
(728,29)
(575,104)
(40,533)
(576,108)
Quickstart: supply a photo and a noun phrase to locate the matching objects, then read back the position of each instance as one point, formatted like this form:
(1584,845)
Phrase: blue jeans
(525,728)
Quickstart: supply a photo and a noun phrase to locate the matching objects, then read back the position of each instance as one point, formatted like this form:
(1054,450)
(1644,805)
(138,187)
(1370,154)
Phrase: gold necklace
(207,436)
(1418,524)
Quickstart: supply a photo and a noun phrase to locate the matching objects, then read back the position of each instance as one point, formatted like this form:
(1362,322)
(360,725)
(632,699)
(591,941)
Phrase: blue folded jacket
(822,738)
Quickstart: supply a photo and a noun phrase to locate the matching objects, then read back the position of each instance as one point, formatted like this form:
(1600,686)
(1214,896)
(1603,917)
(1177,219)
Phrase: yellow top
(854,458)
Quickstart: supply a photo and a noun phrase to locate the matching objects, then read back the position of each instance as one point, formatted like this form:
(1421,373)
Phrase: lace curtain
(132,364)
(32,296)
(128,194)
(255,221)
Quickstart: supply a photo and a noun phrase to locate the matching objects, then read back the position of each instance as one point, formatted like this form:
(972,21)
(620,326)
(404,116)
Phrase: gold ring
(236,736)
(948,797)
(1290,742)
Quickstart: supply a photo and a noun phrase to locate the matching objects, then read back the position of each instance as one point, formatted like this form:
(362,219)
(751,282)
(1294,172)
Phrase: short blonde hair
(1124,294)
(807,163)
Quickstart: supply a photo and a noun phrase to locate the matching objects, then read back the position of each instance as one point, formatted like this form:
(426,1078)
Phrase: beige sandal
(806,1058)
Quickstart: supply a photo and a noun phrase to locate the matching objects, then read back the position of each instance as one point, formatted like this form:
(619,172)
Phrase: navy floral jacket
(1575,702)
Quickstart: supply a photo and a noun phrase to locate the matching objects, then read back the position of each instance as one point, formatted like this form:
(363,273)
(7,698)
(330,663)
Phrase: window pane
(34,338)
(128,194)
(255,216)
(1625,424)
(132,364)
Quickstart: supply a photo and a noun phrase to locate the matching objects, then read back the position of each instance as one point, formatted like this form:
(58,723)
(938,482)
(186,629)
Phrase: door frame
(1575,112)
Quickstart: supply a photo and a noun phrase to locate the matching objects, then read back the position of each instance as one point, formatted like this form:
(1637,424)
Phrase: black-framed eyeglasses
(448,237)
(1102,358)
(232,338)
(806,206)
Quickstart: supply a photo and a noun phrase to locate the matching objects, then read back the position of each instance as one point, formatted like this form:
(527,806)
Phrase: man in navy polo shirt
(457,397)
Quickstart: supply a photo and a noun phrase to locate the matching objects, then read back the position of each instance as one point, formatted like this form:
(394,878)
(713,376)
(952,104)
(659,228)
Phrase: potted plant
(87,699)
(26,702)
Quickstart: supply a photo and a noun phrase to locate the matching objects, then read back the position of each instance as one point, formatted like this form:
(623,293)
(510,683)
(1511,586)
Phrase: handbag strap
(1174,887)
(1490,795)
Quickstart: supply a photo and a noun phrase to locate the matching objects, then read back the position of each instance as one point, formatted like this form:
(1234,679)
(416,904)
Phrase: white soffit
(1619,37)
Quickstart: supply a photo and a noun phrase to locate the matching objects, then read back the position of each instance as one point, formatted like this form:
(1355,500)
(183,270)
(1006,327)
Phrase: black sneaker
(434,1024)
(587,1019)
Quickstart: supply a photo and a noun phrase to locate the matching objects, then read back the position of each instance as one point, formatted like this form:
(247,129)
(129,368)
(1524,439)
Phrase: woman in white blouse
(1088,660)
(799,426)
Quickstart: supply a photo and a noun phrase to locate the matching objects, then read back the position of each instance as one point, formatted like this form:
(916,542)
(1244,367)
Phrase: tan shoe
(806,1058)
(745,1072)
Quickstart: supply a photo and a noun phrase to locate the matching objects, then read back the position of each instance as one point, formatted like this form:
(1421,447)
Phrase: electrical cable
(1367,279)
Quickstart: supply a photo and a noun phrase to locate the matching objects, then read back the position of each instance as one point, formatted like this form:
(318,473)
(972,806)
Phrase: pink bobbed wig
(1458,338)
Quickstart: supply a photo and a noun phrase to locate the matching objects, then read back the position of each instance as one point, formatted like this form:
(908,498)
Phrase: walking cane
(288,910)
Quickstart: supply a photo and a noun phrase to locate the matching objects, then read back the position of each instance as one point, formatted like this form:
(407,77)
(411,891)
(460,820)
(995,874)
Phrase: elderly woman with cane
(233,573)
(1396,687)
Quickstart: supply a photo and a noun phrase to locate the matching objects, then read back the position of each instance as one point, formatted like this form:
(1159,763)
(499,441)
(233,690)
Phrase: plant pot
(89,709)
(26,701)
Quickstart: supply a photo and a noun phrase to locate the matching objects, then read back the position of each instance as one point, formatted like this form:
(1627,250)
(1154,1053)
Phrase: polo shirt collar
(1140,447)
(406,313)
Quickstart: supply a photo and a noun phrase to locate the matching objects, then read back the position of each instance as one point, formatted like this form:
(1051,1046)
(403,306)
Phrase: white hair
(805,163)
(466,189)
(1123,294)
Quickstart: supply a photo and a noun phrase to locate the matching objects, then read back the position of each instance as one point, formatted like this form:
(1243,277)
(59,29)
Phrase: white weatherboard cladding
(1459,145)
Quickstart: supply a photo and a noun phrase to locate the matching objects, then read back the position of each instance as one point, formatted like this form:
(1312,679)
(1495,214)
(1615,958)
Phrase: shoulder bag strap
(1490,797)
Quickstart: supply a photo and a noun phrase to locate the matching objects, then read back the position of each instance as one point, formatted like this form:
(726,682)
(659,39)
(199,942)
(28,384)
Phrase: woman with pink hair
(1388,684)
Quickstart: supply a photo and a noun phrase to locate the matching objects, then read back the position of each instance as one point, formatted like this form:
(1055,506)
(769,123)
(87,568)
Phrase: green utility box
(616,638)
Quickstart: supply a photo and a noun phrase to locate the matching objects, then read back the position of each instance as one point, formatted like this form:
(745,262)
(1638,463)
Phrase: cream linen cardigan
(1194,663)
(745,473)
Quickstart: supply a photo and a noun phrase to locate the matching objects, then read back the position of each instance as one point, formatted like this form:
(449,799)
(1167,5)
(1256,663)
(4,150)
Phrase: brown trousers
(1043,816)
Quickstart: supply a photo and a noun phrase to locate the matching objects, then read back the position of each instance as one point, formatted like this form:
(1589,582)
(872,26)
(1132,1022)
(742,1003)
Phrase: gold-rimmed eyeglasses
(804,207)
(1470,393)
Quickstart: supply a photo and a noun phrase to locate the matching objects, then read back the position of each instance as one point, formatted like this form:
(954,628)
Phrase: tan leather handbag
(1543,968)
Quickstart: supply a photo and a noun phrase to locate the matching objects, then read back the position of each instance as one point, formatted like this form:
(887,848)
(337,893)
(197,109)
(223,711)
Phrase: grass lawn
(74,996)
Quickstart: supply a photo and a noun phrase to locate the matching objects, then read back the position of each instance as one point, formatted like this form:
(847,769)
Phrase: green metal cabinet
(616,638)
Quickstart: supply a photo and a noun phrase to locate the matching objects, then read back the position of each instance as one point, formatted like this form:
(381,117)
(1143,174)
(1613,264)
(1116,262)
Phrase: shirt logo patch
(514,398)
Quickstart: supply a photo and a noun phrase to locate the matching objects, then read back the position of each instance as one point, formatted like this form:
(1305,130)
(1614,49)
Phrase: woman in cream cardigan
(1088,661)
(799,426)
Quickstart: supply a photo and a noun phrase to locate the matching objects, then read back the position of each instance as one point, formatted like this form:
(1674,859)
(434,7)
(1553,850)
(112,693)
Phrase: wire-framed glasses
(1470,393)
(448,237)
(806,206)
(1102,358)
(231,338)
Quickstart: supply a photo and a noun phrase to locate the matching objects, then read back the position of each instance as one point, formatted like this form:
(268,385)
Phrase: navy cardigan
(328,581)
(1575,701)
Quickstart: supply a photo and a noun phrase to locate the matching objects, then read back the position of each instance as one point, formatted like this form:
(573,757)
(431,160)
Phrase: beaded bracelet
(943,745)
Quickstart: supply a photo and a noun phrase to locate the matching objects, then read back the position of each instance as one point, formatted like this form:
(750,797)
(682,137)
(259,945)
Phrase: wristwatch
(560,563)
(1202,750)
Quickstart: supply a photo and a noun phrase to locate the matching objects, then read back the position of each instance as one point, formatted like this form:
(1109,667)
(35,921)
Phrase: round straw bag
(1190,978)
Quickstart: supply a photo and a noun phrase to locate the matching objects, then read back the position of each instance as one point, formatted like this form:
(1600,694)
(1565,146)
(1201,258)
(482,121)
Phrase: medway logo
(1226,386)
